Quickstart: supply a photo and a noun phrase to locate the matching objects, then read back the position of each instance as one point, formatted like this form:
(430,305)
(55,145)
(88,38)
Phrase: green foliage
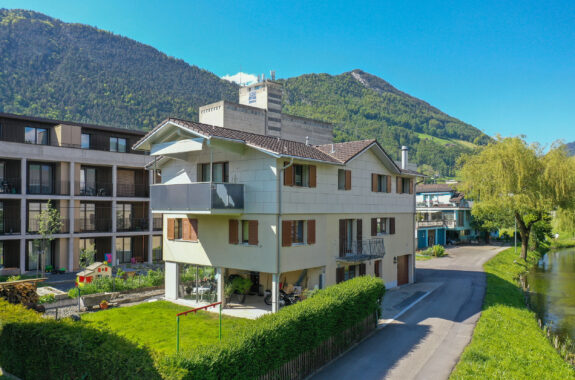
(511,180)
(277,338)
(507,342)
(436,250)
(86,257)
(14,278)
(77,72)
(241,284)
(48,349)
(117,284)
(48,298)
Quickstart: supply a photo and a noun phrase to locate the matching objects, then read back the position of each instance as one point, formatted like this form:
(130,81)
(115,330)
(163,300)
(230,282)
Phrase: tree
(49,224)
(429,171)
(87,257)
(511,177)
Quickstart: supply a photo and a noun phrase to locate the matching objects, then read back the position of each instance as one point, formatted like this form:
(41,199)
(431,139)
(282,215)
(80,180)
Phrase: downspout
(279,221)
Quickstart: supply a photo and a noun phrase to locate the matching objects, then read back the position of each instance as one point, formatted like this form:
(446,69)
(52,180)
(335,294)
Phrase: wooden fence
(308,362)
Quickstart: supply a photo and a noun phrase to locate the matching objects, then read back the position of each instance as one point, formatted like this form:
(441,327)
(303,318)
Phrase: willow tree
(518,181)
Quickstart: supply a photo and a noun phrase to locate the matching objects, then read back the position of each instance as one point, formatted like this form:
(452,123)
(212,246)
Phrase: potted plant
(104,305)
(229,291)
(242,286)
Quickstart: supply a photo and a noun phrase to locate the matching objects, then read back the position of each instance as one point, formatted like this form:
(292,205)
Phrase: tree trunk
(524,232)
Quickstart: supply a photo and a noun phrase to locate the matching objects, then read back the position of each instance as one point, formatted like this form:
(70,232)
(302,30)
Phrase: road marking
(385,322)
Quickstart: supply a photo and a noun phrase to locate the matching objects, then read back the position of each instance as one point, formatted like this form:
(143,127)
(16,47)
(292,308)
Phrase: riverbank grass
(507,342)
(153,324)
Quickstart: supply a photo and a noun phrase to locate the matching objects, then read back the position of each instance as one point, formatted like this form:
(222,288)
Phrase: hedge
(278,338)
(37,348)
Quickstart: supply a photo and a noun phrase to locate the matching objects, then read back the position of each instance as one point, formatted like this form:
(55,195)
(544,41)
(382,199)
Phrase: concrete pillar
(275,292)
(220,287)
(22,256)
(150,220)
(150,247)
(171,280)
(114,181)
(71,217)
(23,216)
(114,258)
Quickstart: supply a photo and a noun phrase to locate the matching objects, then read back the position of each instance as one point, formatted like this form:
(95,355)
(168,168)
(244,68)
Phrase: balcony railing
(195,197)
(158,223)
(133,190)
(430,223)
(157,255)
(10,225)
(53,188)
(361,250)
(96,225)
(94,190)
(34,226)
(10,185)
(132,224)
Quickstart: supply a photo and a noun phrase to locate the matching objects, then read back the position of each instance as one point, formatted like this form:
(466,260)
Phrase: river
(552,283)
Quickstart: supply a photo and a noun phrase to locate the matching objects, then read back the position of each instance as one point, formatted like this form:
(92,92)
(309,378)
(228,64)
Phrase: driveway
(426,341)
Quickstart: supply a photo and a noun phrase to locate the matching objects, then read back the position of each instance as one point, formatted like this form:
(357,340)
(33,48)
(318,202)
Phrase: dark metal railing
(365,247)
(93,225)
(140,190)
(94,190)
(52,188)
(132,224)
(10,185)
(10,225)
(34,226)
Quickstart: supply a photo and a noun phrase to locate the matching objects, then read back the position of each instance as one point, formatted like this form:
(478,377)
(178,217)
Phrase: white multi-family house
(280,211)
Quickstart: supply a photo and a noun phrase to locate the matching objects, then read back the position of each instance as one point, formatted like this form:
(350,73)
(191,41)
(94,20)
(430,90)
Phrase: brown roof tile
(345,151)
(434,188)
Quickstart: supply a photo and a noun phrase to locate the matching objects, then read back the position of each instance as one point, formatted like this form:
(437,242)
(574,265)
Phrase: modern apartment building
(280,211)
(90,174)
(260,111)
(443,215)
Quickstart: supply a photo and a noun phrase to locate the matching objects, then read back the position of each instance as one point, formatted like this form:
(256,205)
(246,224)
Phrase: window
(178,229)
(34,210)
(343,179)
(349,272)
(156,248)
(40,179)
(118,144)
(87,217)
(124,216)
(299,175)
(379,226)
(87,181)
(124,249)
(85,141)
(220,171)
(1,218)
(245,231)
(182,229)
(36,136)
(404,186)
(248,232)
(1,172)
(380,183)
(34,251)
(298,232)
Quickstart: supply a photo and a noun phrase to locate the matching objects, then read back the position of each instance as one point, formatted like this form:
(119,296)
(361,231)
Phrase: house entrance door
(402,270)
(430,238)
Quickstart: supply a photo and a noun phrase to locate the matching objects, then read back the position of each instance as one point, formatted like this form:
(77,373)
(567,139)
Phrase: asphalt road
(427,341)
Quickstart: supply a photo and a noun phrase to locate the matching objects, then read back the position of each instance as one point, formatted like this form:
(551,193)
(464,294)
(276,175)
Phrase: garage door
(402,270)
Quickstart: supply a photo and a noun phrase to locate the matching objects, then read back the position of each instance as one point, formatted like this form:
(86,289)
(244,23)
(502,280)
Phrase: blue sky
(506,67)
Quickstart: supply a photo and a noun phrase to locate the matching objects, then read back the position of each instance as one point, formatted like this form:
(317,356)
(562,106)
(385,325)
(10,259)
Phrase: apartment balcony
(430,223)
(94,190)
(361,250)
(93,225)
(49,188)
(10,225)
(137,190)
(132,224)
(205,197)
(34,226)
(10,186)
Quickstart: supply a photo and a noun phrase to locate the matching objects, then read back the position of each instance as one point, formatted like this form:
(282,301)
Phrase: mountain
(75,72)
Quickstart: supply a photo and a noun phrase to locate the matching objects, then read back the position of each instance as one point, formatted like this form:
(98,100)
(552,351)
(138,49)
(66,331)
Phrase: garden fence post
(220,321)
(178,335)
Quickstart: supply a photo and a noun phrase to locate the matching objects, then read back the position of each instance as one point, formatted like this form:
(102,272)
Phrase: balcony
(361,250)
(138,190)
(10,225)
(197,197)
(430,223)
(49,188)
(34,226)
(132,224)
(10,185)
(94,190)
(93,225)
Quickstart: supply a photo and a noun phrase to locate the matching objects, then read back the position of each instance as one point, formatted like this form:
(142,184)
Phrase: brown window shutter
(186,229)
(377,268)
(391,226)
(193,229)
(253,232)
(342,236)
(312,176)
(398,185)
(339,275)
(411,186)
(288,175)
(311,231)
(348,179)
(373,226)
(233,235)
(286,233)
(362,268)
(389,184)
(373,182)
(171,223)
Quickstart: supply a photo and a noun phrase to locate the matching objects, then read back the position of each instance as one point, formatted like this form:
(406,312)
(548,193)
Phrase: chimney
(404,157)
(332,149)
(307,140)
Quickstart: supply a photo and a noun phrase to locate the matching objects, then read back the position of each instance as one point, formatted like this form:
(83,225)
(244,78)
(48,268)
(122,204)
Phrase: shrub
(277,338)
(48,349)
(438,251)
(48,298)
(106,284)
(242,284)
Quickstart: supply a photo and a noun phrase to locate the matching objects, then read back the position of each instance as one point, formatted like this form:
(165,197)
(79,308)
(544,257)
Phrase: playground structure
(184,313)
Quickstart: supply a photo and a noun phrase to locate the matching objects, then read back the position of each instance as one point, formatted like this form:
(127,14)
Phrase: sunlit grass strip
(507,342)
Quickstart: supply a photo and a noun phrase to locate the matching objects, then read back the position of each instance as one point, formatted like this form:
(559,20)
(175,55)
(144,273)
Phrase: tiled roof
(345,151)
(272,144)
(434,188)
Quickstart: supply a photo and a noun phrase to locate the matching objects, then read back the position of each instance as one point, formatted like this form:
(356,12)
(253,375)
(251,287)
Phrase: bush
(48,349)
(241,284)
(277,338)
(106,284)
(436,250)
(48,298)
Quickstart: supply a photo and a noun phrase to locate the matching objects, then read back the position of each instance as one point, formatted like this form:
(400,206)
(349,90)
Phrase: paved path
(427,340)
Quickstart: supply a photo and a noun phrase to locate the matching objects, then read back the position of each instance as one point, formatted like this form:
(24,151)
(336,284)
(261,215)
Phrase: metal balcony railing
(50,188)
(430,223)
(94,190)
(132,224)
(194,197)
(93,225)
(34,226)
(10,185)
(360,250)
(139,190)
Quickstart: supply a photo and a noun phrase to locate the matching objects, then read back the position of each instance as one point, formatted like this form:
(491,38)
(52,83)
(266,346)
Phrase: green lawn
(154,324)
(419,257)
(507,342)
